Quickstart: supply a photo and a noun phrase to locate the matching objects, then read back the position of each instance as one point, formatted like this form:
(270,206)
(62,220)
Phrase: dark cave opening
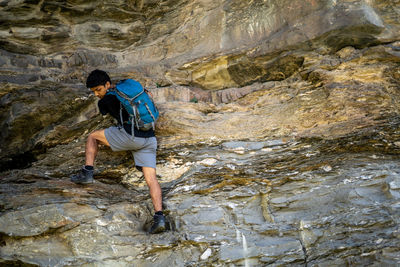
(23,160)
(20,161)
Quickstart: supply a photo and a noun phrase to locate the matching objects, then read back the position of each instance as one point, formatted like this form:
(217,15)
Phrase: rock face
(278,136)
(193,49)
(242,203)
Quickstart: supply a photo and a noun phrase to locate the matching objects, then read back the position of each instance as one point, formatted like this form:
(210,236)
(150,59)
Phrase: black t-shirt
(110,104)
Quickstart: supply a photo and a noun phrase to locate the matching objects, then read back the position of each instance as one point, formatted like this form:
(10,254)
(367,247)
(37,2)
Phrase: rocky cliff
(278,136)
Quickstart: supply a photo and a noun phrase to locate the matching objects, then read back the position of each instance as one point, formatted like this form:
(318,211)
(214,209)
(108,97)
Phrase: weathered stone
(215,206)
(278,135)
(29,115)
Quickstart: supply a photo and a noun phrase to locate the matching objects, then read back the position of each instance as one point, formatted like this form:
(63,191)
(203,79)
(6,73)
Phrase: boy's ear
(108,84)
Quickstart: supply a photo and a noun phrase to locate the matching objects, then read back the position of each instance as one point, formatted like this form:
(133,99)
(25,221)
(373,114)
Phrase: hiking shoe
(83,177)
(158,224)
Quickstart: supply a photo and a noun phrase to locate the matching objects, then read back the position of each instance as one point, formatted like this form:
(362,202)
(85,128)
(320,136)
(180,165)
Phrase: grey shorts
(143,149)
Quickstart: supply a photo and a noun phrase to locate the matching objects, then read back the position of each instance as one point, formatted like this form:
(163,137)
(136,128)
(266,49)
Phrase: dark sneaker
(83,177)
(158,224)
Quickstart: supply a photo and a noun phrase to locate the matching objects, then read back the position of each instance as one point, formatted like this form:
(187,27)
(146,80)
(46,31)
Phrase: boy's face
(101,90)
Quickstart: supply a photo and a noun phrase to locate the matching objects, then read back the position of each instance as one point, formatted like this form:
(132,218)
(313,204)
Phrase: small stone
(101,223)
(184,153)
(231,166)
(101,207)
(206,254)
(209,161)
(198,238)
(394,185)
(239,150)
(347,181)
(268,149)
(346,52)
(327,168)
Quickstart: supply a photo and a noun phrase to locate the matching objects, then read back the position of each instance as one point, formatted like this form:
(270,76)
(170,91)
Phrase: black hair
(96,78)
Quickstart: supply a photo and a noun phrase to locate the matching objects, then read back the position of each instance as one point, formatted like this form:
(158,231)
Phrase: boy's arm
(106,105)
(110,104)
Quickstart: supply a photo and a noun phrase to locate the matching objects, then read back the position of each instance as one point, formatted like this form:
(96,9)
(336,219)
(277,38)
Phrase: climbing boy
(125,136)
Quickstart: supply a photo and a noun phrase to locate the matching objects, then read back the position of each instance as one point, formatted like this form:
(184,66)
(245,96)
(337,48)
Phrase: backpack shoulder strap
(125,84)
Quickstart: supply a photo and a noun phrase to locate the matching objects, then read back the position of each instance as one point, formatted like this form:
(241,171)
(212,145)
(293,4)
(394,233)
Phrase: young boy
(143,144)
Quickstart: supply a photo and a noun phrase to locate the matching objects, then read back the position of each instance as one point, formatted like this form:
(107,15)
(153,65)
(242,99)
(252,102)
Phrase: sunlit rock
(278,136)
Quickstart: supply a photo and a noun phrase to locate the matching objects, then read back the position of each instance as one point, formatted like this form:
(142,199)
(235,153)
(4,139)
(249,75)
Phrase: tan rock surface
(278,137)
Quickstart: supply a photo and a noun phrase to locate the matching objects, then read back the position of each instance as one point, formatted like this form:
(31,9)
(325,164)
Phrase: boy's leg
(92,145)
(155,189)
(159,224)
(85,176)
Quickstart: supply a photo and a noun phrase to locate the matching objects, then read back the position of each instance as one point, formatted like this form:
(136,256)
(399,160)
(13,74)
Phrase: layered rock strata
(278,135)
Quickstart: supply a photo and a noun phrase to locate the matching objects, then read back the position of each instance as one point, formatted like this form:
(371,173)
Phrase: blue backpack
(139,105)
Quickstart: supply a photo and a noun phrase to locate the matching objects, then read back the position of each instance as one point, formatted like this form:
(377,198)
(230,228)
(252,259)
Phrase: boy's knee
(92,136)
(98,135)
(95,134)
